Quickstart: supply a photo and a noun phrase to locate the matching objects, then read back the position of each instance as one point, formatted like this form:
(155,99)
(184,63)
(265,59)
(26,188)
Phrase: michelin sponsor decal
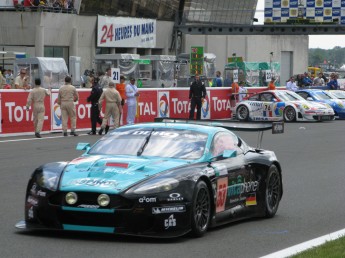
(171,209)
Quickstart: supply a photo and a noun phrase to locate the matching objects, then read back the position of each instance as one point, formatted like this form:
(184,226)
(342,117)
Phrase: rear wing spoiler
(276,127)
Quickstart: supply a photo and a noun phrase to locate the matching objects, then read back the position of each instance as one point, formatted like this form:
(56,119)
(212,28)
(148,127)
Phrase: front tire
(242,113)
(273,192)
(201,209)
(289,114)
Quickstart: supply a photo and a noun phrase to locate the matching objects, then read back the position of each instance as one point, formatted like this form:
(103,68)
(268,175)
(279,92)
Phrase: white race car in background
(276,105)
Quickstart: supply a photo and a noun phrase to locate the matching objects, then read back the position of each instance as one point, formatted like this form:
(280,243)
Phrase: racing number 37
(222,188)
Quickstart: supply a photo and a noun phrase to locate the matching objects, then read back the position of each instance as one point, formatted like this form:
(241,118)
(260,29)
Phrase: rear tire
(201,209)
(289,114)
(242,113)
(273,191)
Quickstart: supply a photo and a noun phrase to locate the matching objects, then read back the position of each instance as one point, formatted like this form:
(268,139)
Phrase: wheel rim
(273,191)
(290,114)
(242,112)
(202,209)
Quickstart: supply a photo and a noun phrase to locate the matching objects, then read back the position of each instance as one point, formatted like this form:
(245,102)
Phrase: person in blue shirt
(306,80)
(218,81)
(333,83)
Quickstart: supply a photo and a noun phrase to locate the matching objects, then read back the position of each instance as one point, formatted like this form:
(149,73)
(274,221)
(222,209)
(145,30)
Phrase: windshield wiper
(142,147)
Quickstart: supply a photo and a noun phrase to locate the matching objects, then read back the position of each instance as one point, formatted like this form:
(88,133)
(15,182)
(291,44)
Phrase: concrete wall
(31,31)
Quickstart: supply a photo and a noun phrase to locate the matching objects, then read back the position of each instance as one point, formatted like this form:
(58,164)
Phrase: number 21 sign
(115,75)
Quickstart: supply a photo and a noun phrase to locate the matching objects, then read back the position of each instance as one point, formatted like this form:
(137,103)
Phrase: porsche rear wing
(276,127)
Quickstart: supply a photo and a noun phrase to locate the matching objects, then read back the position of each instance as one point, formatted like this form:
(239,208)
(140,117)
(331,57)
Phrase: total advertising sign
(151,103)
(126,32)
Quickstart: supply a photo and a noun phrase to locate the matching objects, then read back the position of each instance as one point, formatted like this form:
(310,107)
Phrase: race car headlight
(327,105)
(48,180)
(103,200)
(71,198)
(156,186)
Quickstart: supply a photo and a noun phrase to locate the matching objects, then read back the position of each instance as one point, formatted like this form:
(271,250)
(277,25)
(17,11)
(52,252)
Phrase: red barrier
(169,102)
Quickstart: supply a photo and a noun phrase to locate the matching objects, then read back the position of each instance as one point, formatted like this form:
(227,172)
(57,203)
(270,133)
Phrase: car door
(268,103)
(231,173)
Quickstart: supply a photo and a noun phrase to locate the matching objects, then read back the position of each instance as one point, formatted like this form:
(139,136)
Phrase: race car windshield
(289,96)
(337,94)
(165,143)
(321,95)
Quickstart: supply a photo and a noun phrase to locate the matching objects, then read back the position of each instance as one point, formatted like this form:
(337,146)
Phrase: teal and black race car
(160,179)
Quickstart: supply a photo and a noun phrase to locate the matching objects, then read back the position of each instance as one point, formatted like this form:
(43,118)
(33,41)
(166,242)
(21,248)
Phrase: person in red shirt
(234,93)
(271,85)
(121,88)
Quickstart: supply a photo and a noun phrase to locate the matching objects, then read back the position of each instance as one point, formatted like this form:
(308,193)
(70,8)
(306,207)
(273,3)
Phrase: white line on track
(293,250)
(38,139)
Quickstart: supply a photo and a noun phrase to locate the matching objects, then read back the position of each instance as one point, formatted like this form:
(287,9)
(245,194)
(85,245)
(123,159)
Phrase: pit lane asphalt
(312,156)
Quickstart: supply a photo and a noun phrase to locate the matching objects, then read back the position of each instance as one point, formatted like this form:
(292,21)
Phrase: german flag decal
(251,199)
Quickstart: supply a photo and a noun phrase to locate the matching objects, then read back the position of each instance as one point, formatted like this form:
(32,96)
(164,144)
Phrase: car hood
(306,104)
(111,174)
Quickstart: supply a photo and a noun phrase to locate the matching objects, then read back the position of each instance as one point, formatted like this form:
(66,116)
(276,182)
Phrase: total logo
(205,107)
(170,222)
(57,113)
(163,104)
(175,197)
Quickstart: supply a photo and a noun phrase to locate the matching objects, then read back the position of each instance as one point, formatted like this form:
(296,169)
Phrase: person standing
(319,81)
(66,98)
(197,94)
(242,92)
(95,94)
(112,107)
(333,83)
(234,93)
(37,96)
(105,79)
(271,85)
(21,81)
(131,95)
(291,84)
(121,88)
(218,81)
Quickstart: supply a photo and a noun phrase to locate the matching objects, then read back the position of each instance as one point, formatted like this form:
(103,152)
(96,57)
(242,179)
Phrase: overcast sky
(315,41)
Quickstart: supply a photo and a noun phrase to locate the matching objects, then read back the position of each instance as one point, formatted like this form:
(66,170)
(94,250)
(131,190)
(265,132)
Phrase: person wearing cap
(131,95)
(121,88)
(271,85)
(36,97)
(66,98)
(112,107)
(94,96)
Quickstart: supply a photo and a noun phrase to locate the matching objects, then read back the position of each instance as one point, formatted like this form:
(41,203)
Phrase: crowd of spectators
(307,80)
(6,79)
(65,6)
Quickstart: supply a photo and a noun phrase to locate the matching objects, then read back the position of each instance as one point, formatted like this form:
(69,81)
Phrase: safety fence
(165,102)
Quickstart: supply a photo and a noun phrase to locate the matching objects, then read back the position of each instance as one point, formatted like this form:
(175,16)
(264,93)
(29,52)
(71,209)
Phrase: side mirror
(274,100)
(310,99)
(83,146)
(229,154)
